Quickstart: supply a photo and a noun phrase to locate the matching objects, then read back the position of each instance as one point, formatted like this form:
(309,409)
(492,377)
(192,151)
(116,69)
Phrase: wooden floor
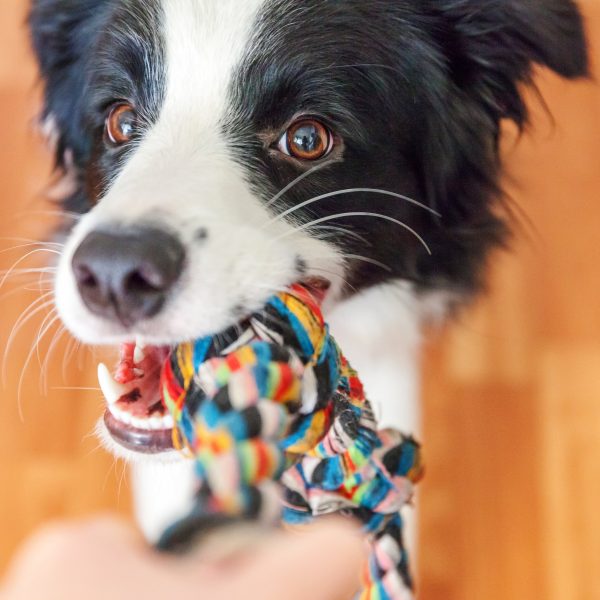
(511,503)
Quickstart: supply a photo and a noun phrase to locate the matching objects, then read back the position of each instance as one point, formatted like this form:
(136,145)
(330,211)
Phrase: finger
(323,563)
(62,556)
(107,528)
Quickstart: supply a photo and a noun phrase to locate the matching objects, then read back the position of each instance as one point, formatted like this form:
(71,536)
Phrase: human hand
(105,558)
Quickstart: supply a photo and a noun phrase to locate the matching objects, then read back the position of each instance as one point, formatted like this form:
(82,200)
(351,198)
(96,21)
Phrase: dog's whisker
(39,288)
(29,313)
(33,270)
(72,346)
(31,244)
(24,372)
(341,231)
(51,348)
(366,259)
(21,239)
(91,435)
(24,258)
(20,289)
(39,248)
(291,185)
(96,448)
(81,356)
(356,214)
(113,467)
(316,199)
(44,281)
(37,341)
(75,389)
(121,480)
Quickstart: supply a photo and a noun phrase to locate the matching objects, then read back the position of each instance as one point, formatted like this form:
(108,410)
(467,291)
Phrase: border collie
(220,150)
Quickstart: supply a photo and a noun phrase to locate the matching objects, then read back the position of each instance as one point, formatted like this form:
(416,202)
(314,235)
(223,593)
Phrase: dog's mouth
(136,417)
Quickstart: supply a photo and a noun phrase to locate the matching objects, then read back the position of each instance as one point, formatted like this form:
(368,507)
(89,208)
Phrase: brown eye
(307,139)
(121,124)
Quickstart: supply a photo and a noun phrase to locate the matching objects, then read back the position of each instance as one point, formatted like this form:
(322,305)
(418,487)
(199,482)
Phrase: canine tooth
(138,372)
(110,388)
(139,354)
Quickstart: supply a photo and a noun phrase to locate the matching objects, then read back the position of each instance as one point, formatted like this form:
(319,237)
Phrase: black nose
(127,275)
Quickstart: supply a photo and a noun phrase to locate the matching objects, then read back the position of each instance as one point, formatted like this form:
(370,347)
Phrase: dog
(219,150)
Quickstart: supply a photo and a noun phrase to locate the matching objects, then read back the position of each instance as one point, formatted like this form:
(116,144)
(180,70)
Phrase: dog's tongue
(125,370)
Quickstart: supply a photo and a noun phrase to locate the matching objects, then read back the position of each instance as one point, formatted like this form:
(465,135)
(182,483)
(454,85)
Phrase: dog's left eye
(306,139)
(121,124)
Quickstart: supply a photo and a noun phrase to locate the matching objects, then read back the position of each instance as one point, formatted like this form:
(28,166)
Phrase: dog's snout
(127,275)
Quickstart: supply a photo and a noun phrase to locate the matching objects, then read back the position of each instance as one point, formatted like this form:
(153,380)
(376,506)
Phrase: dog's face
(220,150)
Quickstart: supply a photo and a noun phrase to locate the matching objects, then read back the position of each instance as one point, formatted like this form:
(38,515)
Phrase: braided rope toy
(280,430)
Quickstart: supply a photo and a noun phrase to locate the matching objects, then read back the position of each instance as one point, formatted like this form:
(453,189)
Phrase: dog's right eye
(121,124)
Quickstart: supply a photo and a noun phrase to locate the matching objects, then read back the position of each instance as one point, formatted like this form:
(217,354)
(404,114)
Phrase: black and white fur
(415,92)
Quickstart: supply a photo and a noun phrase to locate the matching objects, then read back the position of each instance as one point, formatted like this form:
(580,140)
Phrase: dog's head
(220,150)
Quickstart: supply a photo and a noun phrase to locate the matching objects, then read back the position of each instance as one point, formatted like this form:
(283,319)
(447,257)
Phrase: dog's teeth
(114,411)
(138,423)
(125,417)
(139,353)
(110,388)
(155,423)
(167,422)
(146,424)
(138,372)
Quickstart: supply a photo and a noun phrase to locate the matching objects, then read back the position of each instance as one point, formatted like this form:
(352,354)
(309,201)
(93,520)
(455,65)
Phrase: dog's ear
(62,33)
(488,49)
(493,45)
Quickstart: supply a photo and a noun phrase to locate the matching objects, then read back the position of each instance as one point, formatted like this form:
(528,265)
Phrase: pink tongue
(125,373)
(142,379)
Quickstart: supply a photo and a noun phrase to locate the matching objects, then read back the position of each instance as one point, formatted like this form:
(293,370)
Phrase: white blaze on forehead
(205,42)
(184,166)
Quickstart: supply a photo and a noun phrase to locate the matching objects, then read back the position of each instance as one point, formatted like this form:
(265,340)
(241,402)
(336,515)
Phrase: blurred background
(510,507)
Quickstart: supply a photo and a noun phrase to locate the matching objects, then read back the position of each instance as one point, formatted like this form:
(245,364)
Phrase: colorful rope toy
(281,431)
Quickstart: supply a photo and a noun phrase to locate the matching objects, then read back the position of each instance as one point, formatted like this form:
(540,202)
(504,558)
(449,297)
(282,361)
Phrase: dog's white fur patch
(380,332)
(163,494)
